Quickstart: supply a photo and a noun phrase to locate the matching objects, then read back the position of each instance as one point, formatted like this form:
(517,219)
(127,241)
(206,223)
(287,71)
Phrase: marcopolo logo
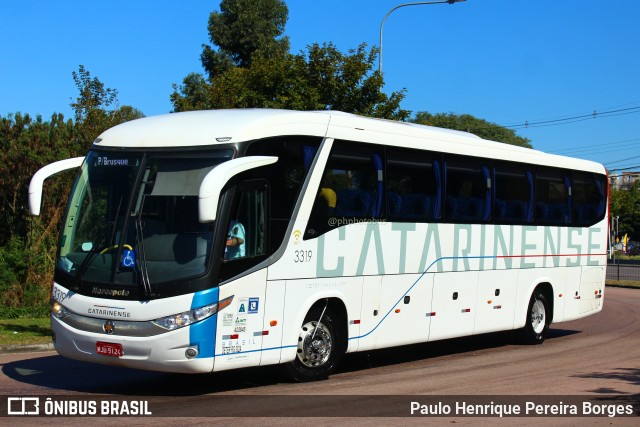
(110,292)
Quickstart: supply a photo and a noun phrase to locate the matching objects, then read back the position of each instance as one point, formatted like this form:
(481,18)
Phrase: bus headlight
(58,310)
(187,318)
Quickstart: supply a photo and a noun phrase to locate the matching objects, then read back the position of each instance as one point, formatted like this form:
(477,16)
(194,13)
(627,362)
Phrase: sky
(568,69)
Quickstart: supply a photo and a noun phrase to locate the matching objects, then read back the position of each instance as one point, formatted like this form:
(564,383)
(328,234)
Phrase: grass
(25,331)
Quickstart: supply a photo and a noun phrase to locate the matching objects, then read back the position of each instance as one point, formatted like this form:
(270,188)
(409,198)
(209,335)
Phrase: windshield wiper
(144,271)
(95,248)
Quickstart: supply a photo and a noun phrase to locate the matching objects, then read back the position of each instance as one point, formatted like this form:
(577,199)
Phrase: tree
(93,95)
(625,204)
(262,74)
(242,29)
(322,79)
(27,244)
(469,123)
(26,144)
(91,107)
(336,81)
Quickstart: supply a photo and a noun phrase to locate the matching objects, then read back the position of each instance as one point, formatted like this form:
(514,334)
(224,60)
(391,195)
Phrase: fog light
(191,352)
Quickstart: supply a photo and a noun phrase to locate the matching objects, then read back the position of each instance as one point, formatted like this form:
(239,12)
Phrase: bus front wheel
(538,319)
(319,349)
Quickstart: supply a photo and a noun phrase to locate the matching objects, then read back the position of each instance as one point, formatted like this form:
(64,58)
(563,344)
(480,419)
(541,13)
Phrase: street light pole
(418,3)
(614,231)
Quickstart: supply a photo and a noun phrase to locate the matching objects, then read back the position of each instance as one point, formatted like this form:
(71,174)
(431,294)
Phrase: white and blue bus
(214,240)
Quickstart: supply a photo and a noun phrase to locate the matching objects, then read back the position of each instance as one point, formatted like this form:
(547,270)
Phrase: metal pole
(419,3)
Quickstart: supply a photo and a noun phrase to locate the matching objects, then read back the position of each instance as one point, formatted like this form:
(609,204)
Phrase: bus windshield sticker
(105,161)
(128,258)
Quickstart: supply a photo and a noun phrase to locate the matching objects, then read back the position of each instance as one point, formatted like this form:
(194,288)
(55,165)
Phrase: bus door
(244,244)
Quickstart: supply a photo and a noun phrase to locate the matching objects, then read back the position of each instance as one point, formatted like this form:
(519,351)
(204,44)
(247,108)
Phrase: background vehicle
(633,249)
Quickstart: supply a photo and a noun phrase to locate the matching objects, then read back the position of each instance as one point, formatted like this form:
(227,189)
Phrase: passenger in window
(235,247)
(328,196)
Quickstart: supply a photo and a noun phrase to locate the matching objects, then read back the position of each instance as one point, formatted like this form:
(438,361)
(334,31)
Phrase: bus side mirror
(35,186)
(217,178)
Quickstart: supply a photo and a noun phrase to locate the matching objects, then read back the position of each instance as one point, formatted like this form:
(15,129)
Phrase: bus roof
(211,127)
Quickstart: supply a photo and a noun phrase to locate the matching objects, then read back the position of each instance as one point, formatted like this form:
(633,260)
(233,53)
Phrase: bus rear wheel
(538,319)
(319,349)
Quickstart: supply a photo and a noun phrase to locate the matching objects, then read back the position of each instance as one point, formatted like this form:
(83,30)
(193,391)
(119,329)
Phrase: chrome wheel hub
(314,344)
(538,317)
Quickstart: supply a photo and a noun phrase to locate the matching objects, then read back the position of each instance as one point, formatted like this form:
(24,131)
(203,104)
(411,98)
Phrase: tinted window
(285,177)
(468,183)
(589,198)
(552,197)
(413,186)
(351,189)
(513,194)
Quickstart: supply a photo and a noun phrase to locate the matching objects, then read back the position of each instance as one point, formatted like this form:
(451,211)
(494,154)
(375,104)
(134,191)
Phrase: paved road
(598,355)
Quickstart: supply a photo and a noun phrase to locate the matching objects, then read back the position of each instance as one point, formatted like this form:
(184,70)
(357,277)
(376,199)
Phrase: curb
(27,348)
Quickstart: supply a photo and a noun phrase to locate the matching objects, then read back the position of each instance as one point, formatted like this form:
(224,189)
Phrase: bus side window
(589,198)
(413,186)
(468,189)
(513,194)
(352,188)
(553,197)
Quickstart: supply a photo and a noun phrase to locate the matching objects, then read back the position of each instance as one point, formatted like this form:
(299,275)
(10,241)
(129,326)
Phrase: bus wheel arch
(322,341)
(539,315)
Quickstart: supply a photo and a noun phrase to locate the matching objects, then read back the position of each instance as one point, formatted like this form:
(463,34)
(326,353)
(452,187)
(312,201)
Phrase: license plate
(109,349)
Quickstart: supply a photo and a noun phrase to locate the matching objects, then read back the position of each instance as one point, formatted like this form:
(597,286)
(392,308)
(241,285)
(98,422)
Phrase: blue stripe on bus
(203,334)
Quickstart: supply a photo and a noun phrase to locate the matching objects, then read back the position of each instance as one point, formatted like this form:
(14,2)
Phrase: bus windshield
(133,219)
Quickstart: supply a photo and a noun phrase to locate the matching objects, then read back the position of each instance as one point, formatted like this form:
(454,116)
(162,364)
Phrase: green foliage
(347,82)
(13,265)
(468,123)
(323,78)
(243,29)
(93,95)
(20,289)
(90,108)
(28,244)
(625,204)
(25,146)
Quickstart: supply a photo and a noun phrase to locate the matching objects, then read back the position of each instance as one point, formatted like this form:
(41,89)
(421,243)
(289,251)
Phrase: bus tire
(538,319)
(317,354)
